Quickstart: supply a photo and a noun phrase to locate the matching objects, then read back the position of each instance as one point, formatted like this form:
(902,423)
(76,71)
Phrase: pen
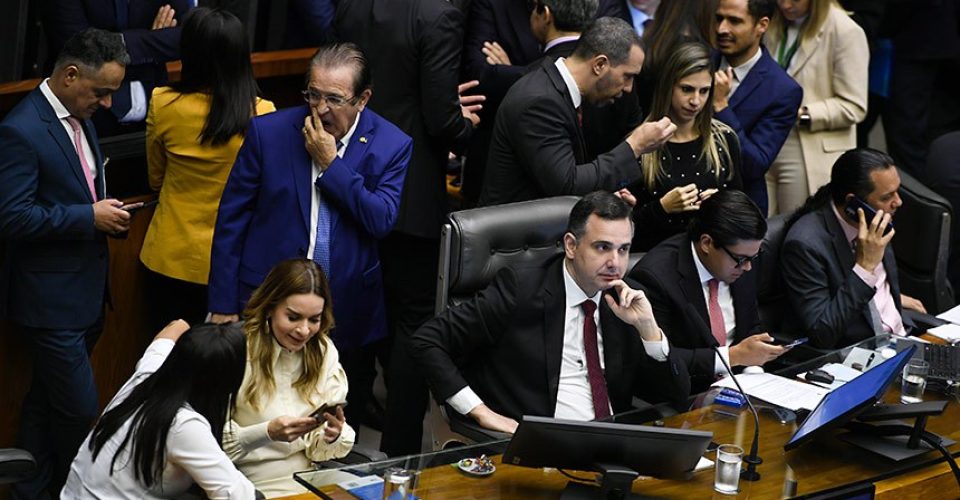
(870,360)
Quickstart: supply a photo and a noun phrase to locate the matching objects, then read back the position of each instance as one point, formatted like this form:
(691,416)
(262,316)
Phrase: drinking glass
(914,381)
(729,459)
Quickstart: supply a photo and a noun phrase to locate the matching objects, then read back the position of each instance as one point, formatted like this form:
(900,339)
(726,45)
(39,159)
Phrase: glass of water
(397,483)
(914,381)
(729,459)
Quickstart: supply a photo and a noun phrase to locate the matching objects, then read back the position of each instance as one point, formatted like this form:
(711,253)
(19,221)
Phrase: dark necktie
(598,386)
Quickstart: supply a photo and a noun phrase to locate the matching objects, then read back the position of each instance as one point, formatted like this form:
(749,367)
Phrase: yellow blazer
(832,69)
(190,177)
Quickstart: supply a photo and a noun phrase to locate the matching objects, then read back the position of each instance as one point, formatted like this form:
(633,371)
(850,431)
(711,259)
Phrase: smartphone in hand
(868,212)
(133,208)
(330,408)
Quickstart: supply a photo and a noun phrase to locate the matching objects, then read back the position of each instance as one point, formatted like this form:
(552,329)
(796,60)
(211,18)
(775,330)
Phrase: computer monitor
(568,444)
(847,401)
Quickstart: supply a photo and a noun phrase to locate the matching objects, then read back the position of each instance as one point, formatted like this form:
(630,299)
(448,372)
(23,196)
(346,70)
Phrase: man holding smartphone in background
(703,288)
(839,270)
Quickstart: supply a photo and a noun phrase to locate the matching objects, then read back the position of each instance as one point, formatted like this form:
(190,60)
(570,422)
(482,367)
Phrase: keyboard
(944,359)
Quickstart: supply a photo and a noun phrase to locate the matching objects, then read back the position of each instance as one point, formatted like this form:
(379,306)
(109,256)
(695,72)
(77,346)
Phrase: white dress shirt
(740,72)
(575,97)
(193,455)
(62,115)
(726,307)
(315,192)
(574,396)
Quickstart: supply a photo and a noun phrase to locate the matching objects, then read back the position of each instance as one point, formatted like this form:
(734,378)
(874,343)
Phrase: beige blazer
(832,70)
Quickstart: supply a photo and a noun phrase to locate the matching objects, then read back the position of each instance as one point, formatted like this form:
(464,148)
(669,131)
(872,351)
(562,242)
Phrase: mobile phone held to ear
(868,212)
(330,408)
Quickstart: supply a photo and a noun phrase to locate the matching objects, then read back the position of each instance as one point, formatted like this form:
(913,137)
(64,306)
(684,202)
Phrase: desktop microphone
(752,460)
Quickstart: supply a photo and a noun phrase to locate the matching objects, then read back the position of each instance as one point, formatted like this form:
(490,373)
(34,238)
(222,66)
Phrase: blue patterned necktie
(321,248)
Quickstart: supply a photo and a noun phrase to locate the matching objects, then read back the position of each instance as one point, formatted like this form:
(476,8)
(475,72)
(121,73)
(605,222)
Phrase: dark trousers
(410,279)
(59,407)
(360,366)
(171,299)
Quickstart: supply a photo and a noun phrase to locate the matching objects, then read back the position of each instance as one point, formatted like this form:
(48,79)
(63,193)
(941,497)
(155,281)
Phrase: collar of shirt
(571,83)
(702,271)
(560,39)
(346,137)
(744,69)
(575,294)
(54,101)
(849,231)
(638,16)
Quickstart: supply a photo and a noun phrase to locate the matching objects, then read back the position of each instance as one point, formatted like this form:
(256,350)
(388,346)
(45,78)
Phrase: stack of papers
(949,332)
(777,390)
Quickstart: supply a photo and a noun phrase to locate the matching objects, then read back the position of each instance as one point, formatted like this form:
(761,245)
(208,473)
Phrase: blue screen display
(868,387)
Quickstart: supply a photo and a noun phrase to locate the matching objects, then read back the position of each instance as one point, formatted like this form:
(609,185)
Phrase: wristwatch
(804,117)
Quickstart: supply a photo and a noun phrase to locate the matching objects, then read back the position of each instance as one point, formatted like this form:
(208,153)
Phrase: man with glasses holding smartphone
(703,292)
(320,181)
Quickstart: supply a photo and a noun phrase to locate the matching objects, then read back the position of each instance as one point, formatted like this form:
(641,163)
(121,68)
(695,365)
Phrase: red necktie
(78,144)
(598,386)
(580,116)
(716,315)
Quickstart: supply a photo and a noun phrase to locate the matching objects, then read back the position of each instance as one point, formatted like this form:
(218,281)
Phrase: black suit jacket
(506,344)
(669,276)
(413,50)
(604,127)
(828,301)
(54,272)
(538,148)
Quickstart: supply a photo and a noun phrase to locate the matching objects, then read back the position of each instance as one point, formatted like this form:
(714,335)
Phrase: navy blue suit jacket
(264,216)
(54,272)
(149,49)
(762,111)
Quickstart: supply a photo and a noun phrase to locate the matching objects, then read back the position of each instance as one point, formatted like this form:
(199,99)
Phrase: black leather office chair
(15,465)
(942,175)
(474,245)
(922,244)
(771,299)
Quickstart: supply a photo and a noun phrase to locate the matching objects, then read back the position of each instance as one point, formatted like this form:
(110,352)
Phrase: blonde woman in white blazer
(818,45)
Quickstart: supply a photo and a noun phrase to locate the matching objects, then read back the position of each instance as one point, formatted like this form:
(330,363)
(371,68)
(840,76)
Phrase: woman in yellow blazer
(194,130)
(818,45)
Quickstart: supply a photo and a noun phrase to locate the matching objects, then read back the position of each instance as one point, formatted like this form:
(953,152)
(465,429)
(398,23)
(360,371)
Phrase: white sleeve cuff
(464,400)
(718,367)
(138,104)
(659,350)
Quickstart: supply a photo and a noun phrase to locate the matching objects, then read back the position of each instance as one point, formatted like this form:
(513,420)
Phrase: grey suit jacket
(828,301)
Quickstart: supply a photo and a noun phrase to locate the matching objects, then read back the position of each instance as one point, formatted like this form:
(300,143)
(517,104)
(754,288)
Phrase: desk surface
(820,465)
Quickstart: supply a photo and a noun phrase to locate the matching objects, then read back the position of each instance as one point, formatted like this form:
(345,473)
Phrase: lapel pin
(363,139)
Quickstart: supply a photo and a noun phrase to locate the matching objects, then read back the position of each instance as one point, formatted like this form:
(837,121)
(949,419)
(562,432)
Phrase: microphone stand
(752,460)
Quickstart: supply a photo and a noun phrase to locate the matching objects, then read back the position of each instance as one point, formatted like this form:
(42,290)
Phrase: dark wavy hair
(204,370)
(215,53)
(729,216)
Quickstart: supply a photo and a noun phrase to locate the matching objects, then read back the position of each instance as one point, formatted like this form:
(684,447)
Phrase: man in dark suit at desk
(839,269)
(54,219)
(150,34)
(704,291)
(538,148)
(753,95)
(530,343)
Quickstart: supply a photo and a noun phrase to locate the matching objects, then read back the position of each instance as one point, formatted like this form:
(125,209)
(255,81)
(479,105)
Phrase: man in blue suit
(150,35)
(753,95)
(321,181)
(54,219)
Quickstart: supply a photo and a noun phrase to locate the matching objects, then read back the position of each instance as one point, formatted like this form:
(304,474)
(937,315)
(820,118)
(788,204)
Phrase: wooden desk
(817,466)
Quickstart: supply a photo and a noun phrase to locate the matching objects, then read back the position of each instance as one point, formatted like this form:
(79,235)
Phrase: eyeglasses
(334,101)
(743,259)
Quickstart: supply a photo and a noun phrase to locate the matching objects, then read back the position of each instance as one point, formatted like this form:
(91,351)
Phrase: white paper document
(949,332)
(774,389)
(953,315)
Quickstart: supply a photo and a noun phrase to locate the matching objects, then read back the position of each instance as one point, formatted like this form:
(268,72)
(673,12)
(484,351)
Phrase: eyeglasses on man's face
(742,260)
(333,100)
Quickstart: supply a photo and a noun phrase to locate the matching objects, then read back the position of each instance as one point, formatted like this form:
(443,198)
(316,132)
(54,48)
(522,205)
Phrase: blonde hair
(289,277)
(686,59)
(819,10)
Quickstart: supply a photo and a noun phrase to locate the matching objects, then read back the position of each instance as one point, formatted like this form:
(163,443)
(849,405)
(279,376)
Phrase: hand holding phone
(133,208)
(330,408)
(850,209)
(797,342)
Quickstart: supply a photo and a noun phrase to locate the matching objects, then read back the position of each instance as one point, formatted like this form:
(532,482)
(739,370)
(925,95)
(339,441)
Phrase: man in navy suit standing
(54,218)
(753,95)
(320,181)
